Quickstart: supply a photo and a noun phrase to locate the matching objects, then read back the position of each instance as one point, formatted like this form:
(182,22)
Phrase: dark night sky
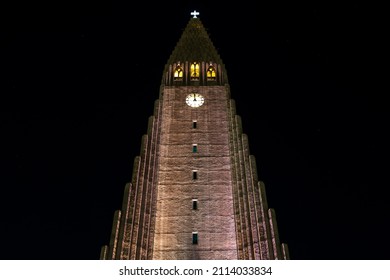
(79,82)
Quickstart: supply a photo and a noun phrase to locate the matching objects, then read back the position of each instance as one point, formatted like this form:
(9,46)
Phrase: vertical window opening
(194,175)
(194,71)
(194,148)
(195,238)
(194,204)
(211,74)
(194,123)
(178,73)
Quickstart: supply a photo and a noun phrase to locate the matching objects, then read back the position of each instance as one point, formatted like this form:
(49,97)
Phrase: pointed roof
(194,45)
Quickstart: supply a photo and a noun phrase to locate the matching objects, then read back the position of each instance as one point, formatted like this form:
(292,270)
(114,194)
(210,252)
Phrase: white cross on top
(194,13)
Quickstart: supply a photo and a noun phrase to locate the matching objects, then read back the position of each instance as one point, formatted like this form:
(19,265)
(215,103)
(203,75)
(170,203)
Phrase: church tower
(194,193)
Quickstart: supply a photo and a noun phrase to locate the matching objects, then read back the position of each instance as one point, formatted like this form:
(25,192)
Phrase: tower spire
(194,46)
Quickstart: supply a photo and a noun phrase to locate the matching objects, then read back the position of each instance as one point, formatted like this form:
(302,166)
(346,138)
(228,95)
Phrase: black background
(79,81)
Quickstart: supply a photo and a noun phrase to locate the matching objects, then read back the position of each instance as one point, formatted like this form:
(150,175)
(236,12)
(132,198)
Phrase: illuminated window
(194,71)
(195,237)
(194,148)
(178,74)
(194,204)
(211,74)
(194,174)
(194,123)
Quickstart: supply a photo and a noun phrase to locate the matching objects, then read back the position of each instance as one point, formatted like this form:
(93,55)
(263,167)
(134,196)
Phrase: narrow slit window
(195,238)
(194,124)
(194,148)
(194,204)
(194,175)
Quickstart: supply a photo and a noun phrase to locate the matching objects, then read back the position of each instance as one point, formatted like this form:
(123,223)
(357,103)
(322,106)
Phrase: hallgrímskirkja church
(195,192)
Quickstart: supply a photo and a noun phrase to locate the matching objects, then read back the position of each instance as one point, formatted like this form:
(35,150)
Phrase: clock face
(194,100)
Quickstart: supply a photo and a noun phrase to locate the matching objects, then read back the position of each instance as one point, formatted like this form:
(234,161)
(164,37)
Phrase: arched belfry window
(194,71)
(211,74)
(178,73)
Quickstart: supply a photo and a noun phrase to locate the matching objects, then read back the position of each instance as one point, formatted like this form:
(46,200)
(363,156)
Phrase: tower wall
(232,219)
(213,220)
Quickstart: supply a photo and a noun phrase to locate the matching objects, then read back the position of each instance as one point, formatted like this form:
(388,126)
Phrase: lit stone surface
(185,150)
(193,254)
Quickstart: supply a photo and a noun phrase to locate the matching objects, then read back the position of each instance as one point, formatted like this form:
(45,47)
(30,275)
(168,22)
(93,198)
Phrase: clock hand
(194,97)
